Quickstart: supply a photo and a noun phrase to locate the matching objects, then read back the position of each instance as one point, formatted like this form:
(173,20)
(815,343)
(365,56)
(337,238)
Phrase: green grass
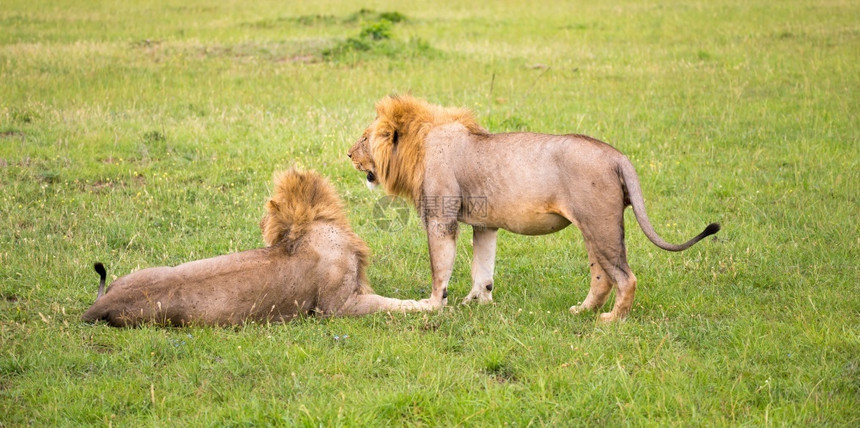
(147,134)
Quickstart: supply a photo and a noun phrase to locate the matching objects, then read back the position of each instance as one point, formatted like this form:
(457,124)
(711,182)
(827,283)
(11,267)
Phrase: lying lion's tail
(634,195)
(299,199)
(98,309)
(100,268)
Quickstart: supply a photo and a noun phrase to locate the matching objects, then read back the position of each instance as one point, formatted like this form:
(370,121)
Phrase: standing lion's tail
(100,268)
(634,194)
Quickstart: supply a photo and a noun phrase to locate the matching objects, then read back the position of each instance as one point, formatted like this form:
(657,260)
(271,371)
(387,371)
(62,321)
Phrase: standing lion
(313,264)
(453,170)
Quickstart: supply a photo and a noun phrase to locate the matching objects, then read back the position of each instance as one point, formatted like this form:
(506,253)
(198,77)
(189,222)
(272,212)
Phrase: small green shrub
(378,30)
(376,38)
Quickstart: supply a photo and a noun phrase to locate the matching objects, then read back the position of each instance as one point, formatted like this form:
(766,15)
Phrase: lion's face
(359,154)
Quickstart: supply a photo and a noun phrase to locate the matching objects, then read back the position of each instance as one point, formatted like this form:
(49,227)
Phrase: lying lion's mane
(300,199)
(397,140)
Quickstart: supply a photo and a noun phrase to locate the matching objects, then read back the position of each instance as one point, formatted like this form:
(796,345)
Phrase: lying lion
(313,264)
(453,170)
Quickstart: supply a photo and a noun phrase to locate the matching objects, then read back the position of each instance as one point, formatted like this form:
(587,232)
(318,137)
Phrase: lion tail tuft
(100,269)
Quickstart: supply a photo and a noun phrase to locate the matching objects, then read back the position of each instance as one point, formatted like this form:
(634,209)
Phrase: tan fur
(453,170)
(313,264)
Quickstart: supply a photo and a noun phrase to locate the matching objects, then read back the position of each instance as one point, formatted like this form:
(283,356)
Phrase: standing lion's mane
(397,140)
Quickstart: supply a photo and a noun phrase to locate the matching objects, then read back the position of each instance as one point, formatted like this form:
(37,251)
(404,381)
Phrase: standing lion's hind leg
(613,260)
(601,286)
(604,240)
(624,297)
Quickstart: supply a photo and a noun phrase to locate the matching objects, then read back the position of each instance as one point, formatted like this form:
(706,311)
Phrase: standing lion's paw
(578,309)
(482,297)
(610,317)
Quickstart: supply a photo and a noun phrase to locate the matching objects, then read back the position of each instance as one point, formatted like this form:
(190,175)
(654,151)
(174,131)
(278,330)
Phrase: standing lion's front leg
(483,264)
(442,240)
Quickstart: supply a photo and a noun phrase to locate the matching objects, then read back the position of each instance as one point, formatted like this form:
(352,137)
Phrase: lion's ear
(387,131)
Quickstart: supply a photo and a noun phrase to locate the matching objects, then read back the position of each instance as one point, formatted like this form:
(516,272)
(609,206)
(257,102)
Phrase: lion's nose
(349,155)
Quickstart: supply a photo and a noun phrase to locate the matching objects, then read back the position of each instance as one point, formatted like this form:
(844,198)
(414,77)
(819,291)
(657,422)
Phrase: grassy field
(147,134)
